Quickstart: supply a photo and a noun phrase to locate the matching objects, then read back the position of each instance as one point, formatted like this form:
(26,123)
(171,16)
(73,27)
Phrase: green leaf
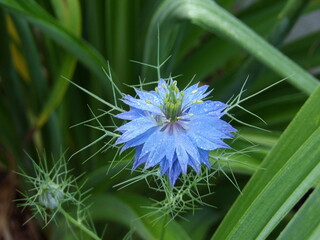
(128,209)
(288,171)
(63,10)
(208,15)
(306,223)
(201,221)
(75,45)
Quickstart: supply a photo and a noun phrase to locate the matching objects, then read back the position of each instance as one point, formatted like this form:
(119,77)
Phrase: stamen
(172,103)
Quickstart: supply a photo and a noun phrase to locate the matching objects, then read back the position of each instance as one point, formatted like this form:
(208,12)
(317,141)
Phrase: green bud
(50,195)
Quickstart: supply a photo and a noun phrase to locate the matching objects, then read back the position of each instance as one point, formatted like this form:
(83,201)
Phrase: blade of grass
(288,171)
(84,52)
(208,15)
(306,222)
(64,11)
(285,21)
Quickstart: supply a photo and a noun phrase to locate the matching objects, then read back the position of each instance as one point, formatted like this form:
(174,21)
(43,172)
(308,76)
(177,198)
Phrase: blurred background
(41,41)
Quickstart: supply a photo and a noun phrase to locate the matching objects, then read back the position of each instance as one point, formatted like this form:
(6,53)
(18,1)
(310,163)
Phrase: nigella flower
(173,128)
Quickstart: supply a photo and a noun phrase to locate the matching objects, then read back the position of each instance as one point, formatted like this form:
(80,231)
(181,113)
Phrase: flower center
(172,102)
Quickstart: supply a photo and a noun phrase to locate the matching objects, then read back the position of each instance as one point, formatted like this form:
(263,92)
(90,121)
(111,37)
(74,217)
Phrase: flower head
(173,128)
(50,195)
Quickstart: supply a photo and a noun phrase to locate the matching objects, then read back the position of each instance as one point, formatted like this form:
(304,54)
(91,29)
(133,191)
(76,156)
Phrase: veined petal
(182,157)
(174,172)
(194,164)
(141,104)
(170,150)
(132,114)
(156,147)
(211,128)
(190,89)
(137,159)
(210,108)
(204,156)
(136,123)
(148,96)
(196,94)
(205,144)
(164,165)
(138,140)
(134,129)
(182,139)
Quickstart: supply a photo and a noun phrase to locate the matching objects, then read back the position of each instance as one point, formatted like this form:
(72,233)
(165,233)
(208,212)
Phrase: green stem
(79,225)
(163,231)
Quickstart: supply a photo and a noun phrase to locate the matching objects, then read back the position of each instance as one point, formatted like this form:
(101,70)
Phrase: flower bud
(50,195)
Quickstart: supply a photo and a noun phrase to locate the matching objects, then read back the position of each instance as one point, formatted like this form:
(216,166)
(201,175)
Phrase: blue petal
(211,108)
(182,157)
(185,142)
(225,127)
(131,115)
(198,95)
(156,147)
(136,123)
(220,125)
(210,127)
(134,129)
(141,104)
(205,144)
(139,139)
(189,90)
(150,96)
(174,173)
(170,150)
(164,166)
(201,93)
(195,164)
(137,160)
(204,156)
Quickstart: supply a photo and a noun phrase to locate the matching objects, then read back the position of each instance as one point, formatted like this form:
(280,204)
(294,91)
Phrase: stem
(79,224)
(163,231)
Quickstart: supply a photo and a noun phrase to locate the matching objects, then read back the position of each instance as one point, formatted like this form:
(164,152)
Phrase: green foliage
(97,45)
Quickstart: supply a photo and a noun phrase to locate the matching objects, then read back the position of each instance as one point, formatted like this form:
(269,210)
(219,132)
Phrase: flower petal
(137,160)
(185,142)
(141,104)
(182,157)
(149,96)
(204,156)
(138,140)
(205,144)
(174,172)
(134,129)
(209,127)
(132,114)
(156,146)
(210,108)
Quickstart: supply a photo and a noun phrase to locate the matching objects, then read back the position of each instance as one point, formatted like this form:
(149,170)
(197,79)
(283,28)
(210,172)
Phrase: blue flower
(173,128)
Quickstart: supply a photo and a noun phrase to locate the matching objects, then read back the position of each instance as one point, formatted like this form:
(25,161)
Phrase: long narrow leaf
(287,172)
(77,46)
(208,15)
(306,222)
